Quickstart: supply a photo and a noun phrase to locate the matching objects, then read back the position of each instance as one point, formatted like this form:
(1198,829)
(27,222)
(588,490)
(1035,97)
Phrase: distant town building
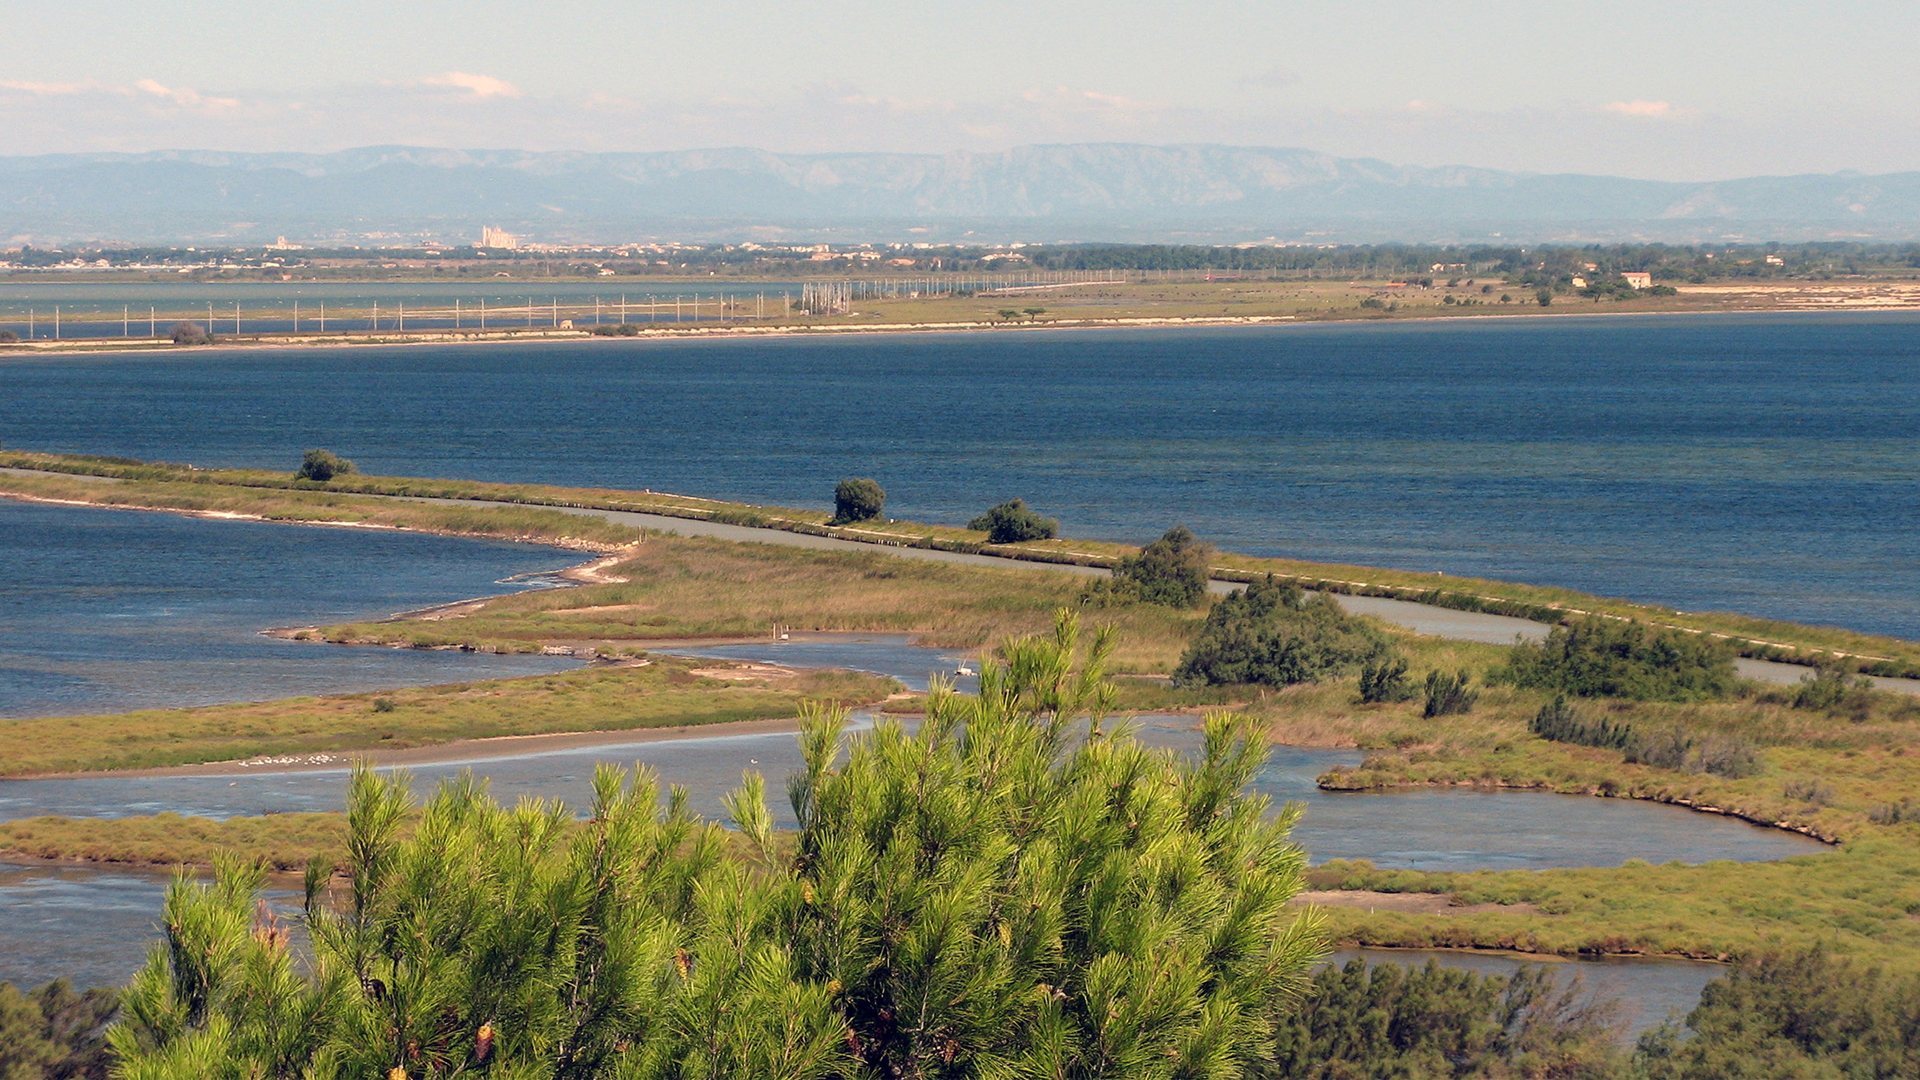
(1638,280)
(1579,282)
(491,237)
(282,245)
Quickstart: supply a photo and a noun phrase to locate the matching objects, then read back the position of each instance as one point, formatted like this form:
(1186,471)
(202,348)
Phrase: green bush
(1817,792)
(1269,634)
(1832,687)
(1899,813)
(1598,657)
(1388,1022)
(1013,522)
(1798,1014)
(1384,678)
(1448,695)
(1677,749)
(1558,721)
(994,894)
(616,330)
(858,499)
(190,333)
(54,1032)
(1171,571)
(322,465)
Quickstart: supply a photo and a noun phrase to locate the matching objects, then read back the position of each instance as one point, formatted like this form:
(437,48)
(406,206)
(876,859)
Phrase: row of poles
(815,298)
(555,313)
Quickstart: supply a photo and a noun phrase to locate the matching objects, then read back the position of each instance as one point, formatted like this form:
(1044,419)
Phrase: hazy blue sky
(1669,90)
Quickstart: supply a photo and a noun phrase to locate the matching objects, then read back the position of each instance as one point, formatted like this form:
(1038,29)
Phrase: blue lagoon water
(107,610)
(1768,464)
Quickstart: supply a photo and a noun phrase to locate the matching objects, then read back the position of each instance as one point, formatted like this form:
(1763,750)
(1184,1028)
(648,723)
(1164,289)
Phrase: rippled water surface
(1768,464)
(109,610)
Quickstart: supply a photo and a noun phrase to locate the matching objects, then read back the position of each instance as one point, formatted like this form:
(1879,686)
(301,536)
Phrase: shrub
(8,337)
(384,705)
(624,329)
(1729,756)
(1558,721)
(1384,678)
(1666,748)
(1598,657)
(322,465)
(1793,1014)
(1447,695)
(1674,748)
(1387,1021)
(54,1032)
(188,333)
(1832,687)
(859,499)
(1899,813)
(1013,522)
(1171,571)
(1269,634)
(990,895)
(1808,791)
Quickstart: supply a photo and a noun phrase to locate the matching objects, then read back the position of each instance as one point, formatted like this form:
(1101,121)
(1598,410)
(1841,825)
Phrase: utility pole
(296,316)
(126,325)
(153,323)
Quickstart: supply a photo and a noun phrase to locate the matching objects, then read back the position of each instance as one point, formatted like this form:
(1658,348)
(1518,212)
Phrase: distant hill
(1197,193)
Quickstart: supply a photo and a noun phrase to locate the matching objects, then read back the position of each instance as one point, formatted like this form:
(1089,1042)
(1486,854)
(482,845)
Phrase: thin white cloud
(184,97)
(1645,109)
(480,86)
(46,89)
(1674,142)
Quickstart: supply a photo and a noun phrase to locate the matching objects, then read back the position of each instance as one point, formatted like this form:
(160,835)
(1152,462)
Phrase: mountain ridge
(1193,192)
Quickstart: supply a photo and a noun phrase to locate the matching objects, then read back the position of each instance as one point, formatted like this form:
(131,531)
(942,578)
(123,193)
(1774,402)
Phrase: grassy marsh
(667,692)
(696,587)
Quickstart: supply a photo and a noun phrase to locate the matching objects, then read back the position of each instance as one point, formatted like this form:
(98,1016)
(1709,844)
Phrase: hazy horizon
(1705,92)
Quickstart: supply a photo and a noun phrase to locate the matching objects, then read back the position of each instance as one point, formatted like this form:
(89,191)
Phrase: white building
(1638,280)
(491,237)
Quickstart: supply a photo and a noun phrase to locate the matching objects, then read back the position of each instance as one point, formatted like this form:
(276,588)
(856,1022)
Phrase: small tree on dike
(322,465)
(1171,571)
(190,333)
(1010,890)
(1014,522)
(859,499)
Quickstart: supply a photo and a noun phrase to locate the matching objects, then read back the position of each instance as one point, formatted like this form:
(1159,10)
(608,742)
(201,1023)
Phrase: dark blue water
(107,610)
(1767,464)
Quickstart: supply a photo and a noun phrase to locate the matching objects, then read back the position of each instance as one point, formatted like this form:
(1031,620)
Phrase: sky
(1673,90)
